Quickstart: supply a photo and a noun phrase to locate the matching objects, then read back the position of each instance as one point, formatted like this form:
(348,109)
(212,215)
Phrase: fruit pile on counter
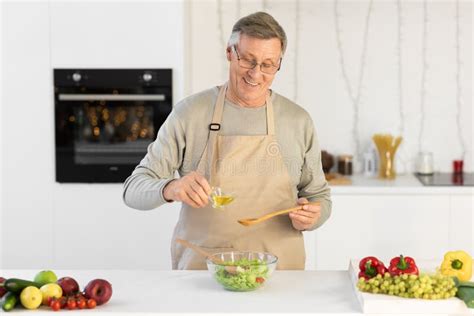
(402,278)
(49,291)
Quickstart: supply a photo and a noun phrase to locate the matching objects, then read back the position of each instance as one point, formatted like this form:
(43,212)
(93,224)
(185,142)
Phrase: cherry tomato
(50,300)
(91,303)
(63,302)
(259,280)
(55,305)
(81,303)
(71,304)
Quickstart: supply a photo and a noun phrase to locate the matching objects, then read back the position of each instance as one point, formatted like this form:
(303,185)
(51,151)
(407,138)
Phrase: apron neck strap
(219,109)
(270,117)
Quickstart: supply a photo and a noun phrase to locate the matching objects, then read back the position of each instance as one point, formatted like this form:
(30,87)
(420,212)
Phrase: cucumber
(466,284)
(459,283)
(9,301)
(17,285)
(466,293)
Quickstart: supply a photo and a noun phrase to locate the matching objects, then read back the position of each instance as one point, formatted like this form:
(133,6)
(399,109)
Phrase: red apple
(2,289)
(69,285)
(100,290)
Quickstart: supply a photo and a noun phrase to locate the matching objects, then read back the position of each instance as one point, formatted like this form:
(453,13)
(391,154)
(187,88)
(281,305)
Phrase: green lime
(46,277)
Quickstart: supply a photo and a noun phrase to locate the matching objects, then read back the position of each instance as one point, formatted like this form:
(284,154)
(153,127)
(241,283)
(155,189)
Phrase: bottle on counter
(344,165)
(370,163)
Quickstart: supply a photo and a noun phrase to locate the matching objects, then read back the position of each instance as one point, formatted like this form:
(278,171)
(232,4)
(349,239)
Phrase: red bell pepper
(370,267)
(402,265)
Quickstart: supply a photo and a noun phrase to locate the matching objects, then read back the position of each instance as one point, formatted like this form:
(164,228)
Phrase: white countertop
(156,292)
(402,184)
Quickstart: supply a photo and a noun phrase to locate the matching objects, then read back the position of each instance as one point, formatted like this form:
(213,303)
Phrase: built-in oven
(105,119)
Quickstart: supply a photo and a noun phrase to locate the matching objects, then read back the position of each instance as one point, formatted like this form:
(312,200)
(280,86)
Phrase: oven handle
(112,97)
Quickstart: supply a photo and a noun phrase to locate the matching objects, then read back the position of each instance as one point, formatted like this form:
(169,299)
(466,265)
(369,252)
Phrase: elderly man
(246,139)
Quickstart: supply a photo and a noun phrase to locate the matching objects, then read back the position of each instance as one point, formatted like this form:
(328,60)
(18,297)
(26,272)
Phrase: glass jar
(387,146)
(344,165)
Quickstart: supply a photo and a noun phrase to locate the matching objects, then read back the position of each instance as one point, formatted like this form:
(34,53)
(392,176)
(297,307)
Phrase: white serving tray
(387,304)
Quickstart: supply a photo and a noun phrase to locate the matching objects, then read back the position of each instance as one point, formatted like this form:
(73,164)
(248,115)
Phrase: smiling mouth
(250,83)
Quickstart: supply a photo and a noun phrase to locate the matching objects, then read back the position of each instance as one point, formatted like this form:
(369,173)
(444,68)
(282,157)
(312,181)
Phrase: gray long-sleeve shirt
(182,138)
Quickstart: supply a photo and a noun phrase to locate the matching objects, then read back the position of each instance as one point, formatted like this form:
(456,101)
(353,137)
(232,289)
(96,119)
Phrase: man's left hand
(307,216)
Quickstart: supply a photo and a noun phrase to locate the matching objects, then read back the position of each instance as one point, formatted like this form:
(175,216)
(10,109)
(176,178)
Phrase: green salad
(242,275)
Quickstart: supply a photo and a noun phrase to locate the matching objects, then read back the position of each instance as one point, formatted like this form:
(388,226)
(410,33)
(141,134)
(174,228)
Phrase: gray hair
(260,25)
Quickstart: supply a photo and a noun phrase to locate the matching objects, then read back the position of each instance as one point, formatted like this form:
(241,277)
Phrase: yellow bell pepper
(457,264)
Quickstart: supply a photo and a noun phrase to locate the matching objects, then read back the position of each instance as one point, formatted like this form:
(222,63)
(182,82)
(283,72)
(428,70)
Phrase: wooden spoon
(253,221)
(210,256)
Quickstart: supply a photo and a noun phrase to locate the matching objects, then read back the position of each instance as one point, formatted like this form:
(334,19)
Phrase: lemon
(31,297)
(51,290)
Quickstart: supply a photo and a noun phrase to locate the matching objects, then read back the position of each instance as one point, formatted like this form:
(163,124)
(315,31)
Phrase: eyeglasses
(250,64)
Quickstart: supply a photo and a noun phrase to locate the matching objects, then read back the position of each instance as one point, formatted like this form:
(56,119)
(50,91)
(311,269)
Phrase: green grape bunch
(424,286)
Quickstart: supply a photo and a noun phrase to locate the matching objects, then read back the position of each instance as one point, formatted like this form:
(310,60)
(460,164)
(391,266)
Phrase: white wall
(1,132)
(27,143)
(311,72)
(51,225)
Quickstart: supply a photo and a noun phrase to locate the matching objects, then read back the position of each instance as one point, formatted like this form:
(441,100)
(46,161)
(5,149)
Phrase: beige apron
(253,169)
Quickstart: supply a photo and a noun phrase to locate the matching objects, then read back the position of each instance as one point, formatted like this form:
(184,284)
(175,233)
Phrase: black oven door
(102,137)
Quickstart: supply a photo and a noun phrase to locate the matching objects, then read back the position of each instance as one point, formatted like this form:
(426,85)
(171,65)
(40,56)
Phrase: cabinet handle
(112,97)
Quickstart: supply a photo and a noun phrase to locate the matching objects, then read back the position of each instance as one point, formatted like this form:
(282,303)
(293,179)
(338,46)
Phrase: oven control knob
(147,77)
(76,77)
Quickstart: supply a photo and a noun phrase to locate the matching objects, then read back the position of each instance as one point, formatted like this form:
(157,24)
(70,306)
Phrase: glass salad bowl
(241,270)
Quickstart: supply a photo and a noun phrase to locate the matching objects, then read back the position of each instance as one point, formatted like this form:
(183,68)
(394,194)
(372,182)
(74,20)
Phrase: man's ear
(228,53)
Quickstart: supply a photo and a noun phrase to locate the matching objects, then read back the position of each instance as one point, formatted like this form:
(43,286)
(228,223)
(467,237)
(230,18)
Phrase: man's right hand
(192,189)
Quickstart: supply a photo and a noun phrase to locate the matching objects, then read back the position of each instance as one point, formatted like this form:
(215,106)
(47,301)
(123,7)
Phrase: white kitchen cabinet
(389,220)
(462,222)
(384,226)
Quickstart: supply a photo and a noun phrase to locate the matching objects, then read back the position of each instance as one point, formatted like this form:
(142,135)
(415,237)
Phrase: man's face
(249,86)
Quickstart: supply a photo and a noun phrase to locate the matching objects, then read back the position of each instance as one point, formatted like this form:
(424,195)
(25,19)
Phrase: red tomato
(91,303)
(51,300)
(259,280)
(62,302)
(55,305)
(81,303)
(71,304)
